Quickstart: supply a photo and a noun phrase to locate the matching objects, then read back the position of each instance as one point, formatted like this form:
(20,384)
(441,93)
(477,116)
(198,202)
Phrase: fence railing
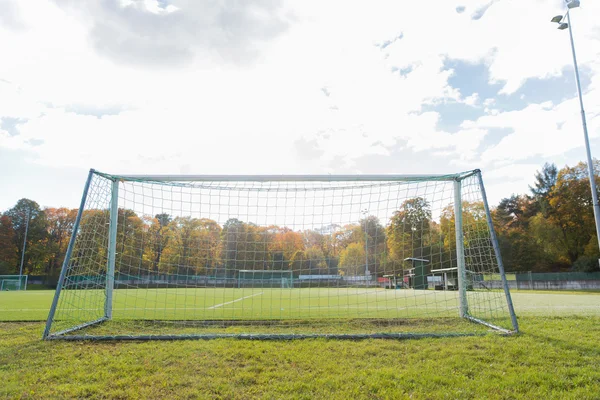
(546,281)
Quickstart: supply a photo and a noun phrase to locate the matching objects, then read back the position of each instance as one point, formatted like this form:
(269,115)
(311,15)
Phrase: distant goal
(263,257)
(13,282)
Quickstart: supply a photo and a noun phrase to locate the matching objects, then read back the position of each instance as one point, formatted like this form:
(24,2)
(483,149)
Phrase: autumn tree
(283,243)
(346,235)
(352,260)
(160,235)
(571,210)
(242,247)
(192,246)
(28,212)
(59,222)
(8,247)
(409,230)
(132,241)
(317,264)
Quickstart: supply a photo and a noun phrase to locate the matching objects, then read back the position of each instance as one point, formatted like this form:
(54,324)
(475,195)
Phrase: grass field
(247,303)
(557,355)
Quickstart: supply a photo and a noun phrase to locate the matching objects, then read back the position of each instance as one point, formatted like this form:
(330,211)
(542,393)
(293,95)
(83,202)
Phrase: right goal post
(268,256)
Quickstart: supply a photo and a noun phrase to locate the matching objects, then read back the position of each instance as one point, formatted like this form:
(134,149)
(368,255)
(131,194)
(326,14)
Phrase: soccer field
(247,303)
(555,357)
(253,303)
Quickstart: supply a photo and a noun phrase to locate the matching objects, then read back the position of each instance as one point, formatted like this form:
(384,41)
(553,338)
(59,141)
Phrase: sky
(290,87)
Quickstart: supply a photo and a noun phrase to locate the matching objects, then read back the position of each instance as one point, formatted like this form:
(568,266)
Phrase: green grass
(556,356)
(230,303)
(318,305)
(553,358)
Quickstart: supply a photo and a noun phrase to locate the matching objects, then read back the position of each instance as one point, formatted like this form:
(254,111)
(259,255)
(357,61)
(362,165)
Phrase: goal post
(268,256)
(112,248)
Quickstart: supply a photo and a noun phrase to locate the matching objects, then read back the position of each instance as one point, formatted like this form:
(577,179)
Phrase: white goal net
(280,256)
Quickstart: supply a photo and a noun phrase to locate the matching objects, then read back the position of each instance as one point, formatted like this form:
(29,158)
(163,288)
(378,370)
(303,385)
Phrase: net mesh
(296,257)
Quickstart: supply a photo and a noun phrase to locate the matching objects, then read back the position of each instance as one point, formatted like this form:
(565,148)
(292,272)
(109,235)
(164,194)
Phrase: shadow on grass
(578,334)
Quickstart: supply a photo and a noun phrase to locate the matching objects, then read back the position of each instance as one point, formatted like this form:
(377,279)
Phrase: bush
(5,268)
(586,264)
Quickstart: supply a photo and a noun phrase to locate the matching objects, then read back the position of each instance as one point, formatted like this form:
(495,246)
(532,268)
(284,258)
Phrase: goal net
(161,257)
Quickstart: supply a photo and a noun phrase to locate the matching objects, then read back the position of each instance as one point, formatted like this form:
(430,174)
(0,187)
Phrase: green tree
(545,180)
(548,245)
(317,263)
(24,212)
(515,211)
(571,211)
(193,246)
(375,243)
(409,230)
(242,247)
(8,247)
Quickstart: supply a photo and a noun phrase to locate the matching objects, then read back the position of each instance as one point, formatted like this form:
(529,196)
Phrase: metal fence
(548,281)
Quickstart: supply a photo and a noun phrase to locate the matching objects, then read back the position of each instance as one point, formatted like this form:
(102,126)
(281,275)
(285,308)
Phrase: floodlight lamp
(563,26)
(557,19)
(572,3)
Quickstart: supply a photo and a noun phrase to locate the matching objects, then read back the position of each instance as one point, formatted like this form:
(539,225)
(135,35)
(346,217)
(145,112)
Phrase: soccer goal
(170,257)
(265,278)
(13,282)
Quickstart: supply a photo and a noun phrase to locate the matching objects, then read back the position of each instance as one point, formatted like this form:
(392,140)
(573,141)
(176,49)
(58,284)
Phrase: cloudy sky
(269,86)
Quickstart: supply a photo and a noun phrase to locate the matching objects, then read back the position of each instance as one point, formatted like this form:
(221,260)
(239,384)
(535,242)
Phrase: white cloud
(380,63)
(472,100)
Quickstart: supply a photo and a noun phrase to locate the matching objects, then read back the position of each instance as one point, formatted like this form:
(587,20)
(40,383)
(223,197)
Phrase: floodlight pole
(367,273)
(24,246)
(590,163)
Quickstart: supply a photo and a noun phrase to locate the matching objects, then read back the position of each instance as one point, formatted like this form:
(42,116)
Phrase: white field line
(370,307)
(341,308)
(368,292)
(234,301)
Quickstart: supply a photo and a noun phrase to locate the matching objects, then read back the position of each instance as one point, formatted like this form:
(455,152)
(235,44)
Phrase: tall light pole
(24,246)
(564,25)
(364,212)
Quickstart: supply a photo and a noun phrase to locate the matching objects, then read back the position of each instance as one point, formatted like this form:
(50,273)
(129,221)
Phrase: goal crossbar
(292,178)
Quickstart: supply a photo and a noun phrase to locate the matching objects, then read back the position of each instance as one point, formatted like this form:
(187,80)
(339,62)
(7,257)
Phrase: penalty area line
(234,301)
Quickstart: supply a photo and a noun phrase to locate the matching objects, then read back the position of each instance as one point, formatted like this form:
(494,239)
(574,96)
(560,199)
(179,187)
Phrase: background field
(557,355)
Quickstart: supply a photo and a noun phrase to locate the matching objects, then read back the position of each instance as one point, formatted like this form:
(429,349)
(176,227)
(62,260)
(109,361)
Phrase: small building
(450,278)
(416,276)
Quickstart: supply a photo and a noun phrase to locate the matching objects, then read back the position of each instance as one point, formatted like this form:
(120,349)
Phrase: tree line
(549,229)
(186,245)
